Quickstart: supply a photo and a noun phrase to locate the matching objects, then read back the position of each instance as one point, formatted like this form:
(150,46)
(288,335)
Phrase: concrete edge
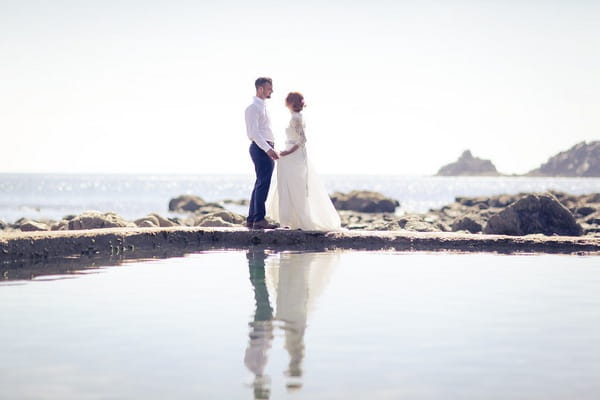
(36,246)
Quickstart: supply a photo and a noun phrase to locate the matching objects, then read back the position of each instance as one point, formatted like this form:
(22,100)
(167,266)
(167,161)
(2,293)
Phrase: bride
(297,198)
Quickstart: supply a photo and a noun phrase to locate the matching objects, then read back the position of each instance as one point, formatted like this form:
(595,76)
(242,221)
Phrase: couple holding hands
(296,198)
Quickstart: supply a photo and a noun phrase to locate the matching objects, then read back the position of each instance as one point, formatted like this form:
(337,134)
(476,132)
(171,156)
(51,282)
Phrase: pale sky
(392,87)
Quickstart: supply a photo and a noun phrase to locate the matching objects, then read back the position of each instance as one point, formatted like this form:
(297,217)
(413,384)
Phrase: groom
(258,127)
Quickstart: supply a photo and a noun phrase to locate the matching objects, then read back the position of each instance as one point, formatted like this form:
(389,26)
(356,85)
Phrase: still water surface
(336,325)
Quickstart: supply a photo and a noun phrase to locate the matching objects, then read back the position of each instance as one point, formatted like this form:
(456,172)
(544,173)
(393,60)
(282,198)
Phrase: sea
(52,196)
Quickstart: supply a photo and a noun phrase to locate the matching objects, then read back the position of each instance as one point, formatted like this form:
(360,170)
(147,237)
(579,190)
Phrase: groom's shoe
(249,224)
(263,224)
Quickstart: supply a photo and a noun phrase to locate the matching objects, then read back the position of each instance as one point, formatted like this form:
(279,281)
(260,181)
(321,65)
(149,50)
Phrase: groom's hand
(272,154)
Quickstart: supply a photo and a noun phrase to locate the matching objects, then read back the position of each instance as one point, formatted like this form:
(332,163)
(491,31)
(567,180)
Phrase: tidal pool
(328,325)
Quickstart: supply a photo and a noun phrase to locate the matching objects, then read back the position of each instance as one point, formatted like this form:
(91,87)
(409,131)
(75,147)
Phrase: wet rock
(471,222)
(469,166)
(186,203)
(364,201)
(3,225)
(534,213)
(98,220)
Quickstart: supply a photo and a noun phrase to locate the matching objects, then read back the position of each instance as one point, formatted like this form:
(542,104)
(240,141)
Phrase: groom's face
(264,92)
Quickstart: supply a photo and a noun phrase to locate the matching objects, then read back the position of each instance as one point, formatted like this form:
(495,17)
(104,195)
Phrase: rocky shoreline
(550,213)
(551,222)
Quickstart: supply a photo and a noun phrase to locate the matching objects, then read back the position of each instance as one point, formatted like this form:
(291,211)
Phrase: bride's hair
(296,100)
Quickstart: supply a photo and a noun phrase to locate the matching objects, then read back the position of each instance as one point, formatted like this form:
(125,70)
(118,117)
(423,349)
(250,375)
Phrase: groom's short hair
(261,82)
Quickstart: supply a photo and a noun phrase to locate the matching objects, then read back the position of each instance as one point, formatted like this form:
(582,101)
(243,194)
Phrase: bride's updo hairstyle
(296,100)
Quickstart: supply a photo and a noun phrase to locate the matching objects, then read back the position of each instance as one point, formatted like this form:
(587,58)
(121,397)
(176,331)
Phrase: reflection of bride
(298,198)
(296,280)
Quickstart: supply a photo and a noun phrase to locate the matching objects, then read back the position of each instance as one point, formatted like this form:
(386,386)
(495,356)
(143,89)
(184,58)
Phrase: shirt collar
(258,100)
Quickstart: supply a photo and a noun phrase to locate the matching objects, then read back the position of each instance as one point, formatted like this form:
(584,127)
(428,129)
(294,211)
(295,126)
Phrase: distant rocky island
(469,166)
(581,160)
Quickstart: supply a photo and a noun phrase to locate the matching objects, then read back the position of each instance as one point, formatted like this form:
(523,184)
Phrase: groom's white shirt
(258,124)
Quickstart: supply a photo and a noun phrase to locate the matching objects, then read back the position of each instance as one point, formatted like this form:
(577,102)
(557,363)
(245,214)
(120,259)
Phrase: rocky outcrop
(471,214)
(223,218)
(28,225)
(469,166)
(472,223)
(186,203)
(96,220)
(534,213)
(153,220)
(465,214)
(581,160)
(364,201)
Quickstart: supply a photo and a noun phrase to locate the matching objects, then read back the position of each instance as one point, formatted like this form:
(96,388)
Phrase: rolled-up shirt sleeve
(252,115)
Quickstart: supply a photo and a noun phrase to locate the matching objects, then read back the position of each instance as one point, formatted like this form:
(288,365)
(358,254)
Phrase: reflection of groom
(258,127)
(261,332)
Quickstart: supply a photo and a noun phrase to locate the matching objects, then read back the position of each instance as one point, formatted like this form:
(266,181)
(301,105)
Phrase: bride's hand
(284,153)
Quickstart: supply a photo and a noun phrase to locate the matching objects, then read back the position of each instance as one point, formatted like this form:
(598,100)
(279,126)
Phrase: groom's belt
(272,144)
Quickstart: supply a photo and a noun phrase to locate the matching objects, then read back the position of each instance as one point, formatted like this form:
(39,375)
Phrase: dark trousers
(263,166)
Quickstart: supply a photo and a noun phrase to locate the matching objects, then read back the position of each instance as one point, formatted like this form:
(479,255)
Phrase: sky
(392,87)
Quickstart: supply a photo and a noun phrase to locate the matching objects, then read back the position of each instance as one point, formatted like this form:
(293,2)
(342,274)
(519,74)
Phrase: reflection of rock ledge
(32,246)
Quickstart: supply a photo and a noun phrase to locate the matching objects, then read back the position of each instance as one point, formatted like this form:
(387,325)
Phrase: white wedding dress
(298,198)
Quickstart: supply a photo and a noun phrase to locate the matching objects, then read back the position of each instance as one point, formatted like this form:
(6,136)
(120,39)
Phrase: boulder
(162,221)
(469,166)
(149,221)
(98,220)
(364,201)
(154,220)
(32,226)
(583,159)
(470,222)
(3,225)
(584,211)
(186,203)
(214,221)
(534,213)
(219,218)
(61,225)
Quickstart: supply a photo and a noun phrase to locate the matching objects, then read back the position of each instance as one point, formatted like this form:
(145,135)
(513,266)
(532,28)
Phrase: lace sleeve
(298,126)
